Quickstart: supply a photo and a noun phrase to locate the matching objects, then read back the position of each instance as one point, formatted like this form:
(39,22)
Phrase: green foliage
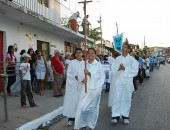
(141,52)
(95,34)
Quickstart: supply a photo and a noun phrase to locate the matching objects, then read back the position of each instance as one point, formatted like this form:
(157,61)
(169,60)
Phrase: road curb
(34,124)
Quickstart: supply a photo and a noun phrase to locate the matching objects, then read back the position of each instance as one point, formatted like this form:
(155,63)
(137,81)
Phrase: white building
(29,23)
(36,24)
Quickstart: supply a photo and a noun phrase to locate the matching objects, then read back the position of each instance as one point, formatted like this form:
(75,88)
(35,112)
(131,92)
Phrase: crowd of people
(34,70)
(83,83)
(82,98)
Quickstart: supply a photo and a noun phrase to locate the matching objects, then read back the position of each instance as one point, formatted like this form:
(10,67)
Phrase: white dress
(88,108)
(123,88)
(73,88)
(112,86)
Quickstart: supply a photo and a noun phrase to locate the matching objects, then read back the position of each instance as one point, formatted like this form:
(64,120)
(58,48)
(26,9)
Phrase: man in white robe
(112,87)
(112,81)
(124,69)
(88,108)
(73,88)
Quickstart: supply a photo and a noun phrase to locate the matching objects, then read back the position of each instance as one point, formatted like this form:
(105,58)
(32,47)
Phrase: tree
(95,34)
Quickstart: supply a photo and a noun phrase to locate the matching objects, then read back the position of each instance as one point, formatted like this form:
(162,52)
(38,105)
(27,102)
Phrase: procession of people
(84,65)
(120,73)
(127,72)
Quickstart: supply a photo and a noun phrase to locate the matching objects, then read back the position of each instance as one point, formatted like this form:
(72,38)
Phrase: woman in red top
(11,60)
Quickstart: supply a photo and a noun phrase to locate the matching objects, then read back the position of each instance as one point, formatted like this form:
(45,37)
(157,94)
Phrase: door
(1,59)
(43,46)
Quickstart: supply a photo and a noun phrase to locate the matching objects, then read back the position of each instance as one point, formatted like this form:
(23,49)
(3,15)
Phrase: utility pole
(100,21)
(117,28)
(144,42)
(85,35)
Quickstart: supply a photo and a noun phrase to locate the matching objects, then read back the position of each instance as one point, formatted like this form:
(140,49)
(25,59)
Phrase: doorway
(43,46)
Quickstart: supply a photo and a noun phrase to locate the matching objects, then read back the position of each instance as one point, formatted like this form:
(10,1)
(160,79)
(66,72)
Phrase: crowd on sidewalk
(34,70)
(83,85)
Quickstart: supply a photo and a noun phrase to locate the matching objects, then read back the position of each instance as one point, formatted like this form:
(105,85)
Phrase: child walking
(25,77)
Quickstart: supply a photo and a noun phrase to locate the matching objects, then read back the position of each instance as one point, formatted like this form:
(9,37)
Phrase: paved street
(150,106)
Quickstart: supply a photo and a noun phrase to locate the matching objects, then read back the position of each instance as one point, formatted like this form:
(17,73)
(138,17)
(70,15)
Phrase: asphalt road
(150,106)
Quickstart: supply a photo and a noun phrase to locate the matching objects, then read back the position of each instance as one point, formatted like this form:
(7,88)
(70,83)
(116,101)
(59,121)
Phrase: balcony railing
(40,8)
(52,10)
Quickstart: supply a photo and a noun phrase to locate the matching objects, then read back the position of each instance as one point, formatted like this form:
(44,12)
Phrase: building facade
(36,24)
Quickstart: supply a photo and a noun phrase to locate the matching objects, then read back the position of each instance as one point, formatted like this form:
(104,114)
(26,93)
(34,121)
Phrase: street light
(100,21)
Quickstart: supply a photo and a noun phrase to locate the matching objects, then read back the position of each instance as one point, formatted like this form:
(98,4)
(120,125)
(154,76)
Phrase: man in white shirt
(74,16)
(24,71)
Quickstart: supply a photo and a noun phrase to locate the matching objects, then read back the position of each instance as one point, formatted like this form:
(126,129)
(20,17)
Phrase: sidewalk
(18,116)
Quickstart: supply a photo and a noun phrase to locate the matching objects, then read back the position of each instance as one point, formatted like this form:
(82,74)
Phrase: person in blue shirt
(151,63)
(140,60)
(106,62)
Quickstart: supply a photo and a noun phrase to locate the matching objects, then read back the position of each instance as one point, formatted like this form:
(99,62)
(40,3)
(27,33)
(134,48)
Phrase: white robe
(112,87)
(88,108)
(73,88)
(123,87)
(110,60)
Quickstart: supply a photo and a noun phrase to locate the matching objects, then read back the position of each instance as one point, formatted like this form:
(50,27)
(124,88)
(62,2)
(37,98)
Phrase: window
(70,47)
(43,2)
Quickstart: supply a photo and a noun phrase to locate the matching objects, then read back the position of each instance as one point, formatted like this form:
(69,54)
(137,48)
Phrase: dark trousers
(32,72)
(151,67)
(135,79)
(35,85)
(71,119)
(11,78)
(134,83)
(26,91)
(107,87)
(143,73)
(140,76)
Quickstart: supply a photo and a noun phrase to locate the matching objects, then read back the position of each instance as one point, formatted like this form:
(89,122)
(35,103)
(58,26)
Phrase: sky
(135,19)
